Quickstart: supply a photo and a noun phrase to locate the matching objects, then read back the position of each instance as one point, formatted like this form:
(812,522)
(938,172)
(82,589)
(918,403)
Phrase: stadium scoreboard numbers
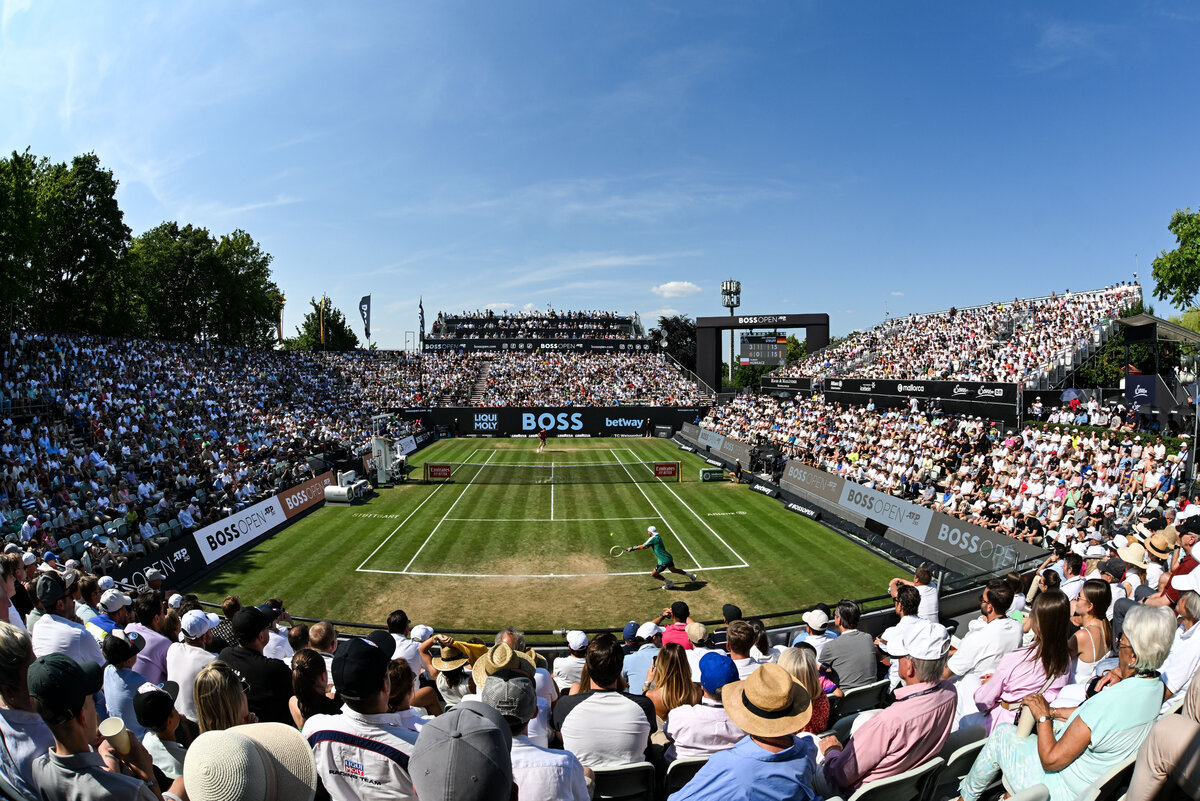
(763,350)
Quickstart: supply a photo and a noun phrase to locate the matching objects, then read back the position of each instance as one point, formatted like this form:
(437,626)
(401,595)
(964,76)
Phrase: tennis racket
(616,551)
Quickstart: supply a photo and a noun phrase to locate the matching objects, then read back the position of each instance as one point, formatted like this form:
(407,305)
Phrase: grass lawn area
(470,553)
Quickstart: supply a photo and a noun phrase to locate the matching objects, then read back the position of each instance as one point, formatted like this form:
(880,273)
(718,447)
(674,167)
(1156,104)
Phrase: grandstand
(127,457)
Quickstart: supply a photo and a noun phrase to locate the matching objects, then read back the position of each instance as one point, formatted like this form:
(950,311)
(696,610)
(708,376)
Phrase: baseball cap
(463,755)
(153,703)
(120,645)
(249,622)
(61,685)
(925,640)
(49,556)
(114,599)
(630,630)
(577,640)
(421,632)
(648,629)
(105,583)
(514,697)
(731,612)
(196,623)
(360,665)
(175,601)
(50,587)
(29,558)
(1114,567)
(154,574)
(652,530)
(697,632)
(716,670)
(816,619)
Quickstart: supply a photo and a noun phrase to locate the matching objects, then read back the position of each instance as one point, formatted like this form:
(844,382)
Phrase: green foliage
(68,263)
(1190,319)
(338,334)
(1172,443)
(747,375)
(1177,272)
(679,330)
(796,350)
(1107,368)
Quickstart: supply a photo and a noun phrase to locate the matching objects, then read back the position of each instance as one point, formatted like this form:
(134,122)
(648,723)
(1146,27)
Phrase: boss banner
(615,421)
(543,346)
(178,561)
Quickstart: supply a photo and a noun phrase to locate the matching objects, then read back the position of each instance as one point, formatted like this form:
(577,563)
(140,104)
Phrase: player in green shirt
(665,562)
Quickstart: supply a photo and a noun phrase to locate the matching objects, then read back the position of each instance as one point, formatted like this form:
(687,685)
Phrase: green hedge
(1172,443)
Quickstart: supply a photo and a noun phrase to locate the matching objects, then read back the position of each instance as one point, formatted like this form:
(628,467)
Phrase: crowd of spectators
(587,379)
(1059,485)
(250,704)
(1012,342)
(534,324)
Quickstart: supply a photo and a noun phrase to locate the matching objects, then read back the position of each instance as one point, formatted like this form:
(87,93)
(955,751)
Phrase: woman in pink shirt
(1024,671)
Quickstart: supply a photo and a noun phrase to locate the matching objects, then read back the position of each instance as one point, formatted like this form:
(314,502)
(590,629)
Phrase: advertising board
(666,469)
(244,527)
(539,345)
(571,421)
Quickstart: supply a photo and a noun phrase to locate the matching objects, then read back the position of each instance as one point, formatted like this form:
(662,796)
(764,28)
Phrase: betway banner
(575,421)
(542,345)
(245,527)
(946,540)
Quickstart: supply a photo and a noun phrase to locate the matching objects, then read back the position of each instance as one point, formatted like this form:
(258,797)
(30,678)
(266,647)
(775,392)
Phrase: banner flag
(421,309)
(321,322)
(364,306)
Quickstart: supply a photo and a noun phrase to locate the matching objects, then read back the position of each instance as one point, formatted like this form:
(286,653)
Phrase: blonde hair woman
(222,698)
(672,682)
(801,664)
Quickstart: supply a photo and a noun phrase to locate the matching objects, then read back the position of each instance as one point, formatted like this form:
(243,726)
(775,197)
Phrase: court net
(595,473)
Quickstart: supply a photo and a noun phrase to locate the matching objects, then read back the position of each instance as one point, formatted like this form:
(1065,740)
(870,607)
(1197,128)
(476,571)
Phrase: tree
(1190,319)
(1177,273)
(796,350)
(1107,368)
(80,280)
(176,269)
(245,301)
(679,331)
(18,227)
(338,335)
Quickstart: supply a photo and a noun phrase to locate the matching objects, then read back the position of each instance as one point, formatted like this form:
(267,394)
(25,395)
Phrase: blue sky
(849,158)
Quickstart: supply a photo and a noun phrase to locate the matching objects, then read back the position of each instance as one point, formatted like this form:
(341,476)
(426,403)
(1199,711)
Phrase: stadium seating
(634,782)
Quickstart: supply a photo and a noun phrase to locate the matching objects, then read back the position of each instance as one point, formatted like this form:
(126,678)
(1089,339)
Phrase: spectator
(568,668)
(701,644)
(147,618)
(501,659)
(739,639)
(277,646)
(770,762)
(400,679)
(464,755)
(1092,643)
(1100,734)
(121,681)
(1169,756)
(257,762)
(55,632)
(363,734)
(605,726)
(908,602)
(636,667)
(1041,667)
(323,638)
(676,632)
(923,581)
(801,664)
(23,733)
(702,729)
(116,613)
(223,636)
(269,680)
(222,698)
(62,692)
(816,630)
(912,729)
(852,655)
(672,682)
(448,669)
(1181,663)
(154,706)
(186,659)
(980,651)
(540,773)
(310,688)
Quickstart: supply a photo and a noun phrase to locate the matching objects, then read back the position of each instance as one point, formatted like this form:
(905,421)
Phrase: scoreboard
(763,350)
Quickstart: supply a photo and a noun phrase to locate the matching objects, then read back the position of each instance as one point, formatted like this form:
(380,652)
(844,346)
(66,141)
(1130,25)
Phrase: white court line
(448,511)
(655,508)
(693,511)
(552,490)
(541,519)
(470,456)
(533,575)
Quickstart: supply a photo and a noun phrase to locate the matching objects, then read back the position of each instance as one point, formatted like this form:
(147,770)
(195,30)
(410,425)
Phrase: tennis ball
(610,534)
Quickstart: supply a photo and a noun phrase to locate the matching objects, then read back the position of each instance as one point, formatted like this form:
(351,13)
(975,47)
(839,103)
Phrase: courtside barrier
(558,421)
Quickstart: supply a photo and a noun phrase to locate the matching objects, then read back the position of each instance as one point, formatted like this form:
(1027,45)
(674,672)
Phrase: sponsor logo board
(439,470)
(666,469)
(905,517)
(306,495)
(239,529)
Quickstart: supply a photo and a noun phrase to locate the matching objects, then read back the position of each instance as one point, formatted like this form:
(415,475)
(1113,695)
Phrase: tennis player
(541,441)
(665,562)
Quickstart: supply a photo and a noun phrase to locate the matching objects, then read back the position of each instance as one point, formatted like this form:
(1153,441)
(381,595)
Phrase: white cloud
(676,289)
(650,318)
(897,294)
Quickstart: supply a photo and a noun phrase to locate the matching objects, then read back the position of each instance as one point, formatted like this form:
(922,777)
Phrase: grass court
(472,554)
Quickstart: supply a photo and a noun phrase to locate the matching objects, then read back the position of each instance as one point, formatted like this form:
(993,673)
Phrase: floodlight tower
(731,298)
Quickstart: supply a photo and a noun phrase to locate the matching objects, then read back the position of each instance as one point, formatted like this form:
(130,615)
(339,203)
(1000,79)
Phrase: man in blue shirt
(770,762)
(637,665)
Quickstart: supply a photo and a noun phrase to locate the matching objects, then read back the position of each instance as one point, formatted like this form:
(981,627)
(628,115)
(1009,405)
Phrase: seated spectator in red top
(677,631)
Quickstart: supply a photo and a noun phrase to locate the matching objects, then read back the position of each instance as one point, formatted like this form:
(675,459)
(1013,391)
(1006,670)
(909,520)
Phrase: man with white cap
(568,669)
(186,658)
(116,611)
(816,630)
(912,729)
(636,666)
(1184,656)
(664,559)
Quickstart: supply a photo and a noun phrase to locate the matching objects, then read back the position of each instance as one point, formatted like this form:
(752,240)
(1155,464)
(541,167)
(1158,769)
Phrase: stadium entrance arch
(709,330)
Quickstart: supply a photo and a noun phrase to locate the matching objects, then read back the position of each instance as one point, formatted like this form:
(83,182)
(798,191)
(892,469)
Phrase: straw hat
(1134,555)
(1158,546)
(450,658)
(256,762)
(769,704)
(500,657)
